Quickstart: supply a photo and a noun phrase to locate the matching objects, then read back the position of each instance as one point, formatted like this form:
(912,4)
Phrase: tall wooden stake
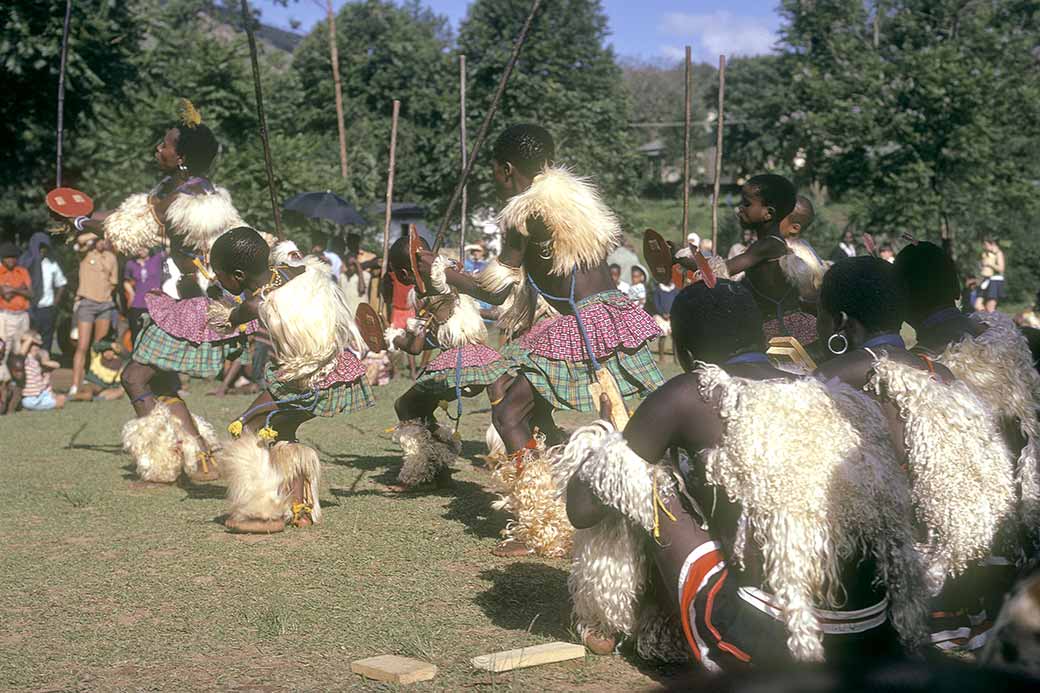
(247,22)
(61,89)
(462,147)
(389,199)
(686,158)
(334,55)
(718,157)
(483,131)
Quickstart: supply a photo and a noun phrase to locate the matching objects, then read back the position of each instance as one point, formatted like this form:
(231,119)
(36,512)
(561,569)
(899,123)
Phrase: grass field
(109,585)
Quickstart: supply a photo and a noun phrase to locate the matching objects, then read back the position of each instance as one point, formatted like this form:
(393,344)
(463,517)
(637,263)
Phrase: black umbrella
(324,205)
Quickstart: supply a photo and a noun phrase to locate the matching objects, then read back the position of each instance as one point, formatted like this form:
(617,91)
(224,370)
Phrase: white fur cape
(817,478)
(998,366)
(310,324)
(464,325)
(196,219)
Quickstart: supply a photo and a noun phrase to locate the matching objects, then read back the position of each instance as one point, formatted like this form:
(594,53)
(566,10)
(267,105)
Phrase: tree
(566,78)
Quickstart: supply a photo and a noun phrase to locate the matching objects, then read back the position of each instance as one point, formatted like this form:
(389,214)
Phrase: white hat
(693,238)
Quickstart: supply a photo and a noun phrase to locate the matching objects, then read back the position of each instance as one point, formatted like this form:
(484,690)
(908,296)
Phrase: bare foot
(303,520)
(241,526)
(598,644)
(201,476)
(511,548)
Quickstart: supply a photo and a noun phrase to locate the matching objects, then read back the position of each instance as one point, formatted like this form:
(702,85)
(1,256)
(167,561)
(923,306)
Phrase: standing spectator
(141,275)
(991,268)
(474,261)
(970,296)
(98,277)
(335,259)
(15,298)
(663,297)
(48,283)
(615,275)
(707,247)
(637,291)
(354,282)
(846,247)
(887,253)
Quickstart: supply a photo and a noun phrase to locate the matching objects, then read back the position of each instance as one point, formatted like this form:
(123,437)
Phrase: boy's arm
(246,311)
(759,252)
(512,256)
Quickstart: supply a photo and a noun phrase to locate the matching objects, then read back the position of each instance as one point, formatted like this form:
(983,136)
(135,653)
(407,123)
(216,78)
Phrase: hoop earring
(844,344)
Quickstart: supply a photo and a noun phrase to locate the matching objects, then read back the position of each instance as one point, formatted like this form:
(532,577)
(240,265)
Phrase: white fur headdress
(310,324)
(582,229)
(817,482)
(960,468)
(998,366)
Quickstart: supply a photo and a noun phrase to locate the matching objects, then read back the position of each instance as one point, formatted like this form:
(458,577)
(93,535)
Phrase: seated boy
(466,366)
(37,394)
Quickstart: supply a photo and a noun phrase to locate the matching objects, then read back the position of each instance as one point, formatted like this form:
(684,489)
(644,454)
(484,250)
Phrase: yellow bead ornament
(235,428)
(268,434)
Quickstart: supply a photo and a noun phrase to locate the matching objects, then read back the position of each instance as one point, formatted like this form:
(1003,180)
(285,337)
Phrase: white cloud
(716,33)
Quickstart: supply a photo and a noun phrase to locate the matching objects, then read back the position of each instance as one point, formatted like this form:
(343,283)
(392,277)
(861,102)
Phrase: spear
(483,131)
(462,146)
(61,88)
(247,22)
(686,158)
(389,199)
(718,158)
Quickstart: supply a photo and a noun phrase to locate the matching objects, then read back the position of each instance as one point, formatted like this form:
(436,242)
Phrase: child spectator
(37,394)
(637,291)
(11,390)
(615,275)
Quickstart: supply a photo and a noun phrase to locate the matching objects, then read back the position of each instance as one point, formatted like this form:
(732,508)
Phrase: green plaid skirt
(339,398)
(162,350)
(565,385)
(443,381)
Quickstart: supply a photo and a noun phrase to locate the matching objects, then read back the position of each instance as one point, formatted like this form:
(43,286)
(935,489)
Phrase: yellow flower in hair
(235,428)
(267,433)
(188,114)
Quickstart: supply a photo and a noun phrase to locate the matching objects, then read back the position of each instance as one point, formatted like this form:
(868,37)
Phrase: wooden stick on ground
(389,198)
(718,157)
(686,159)
(247,22)
(462,144)
(483,131)
(61,89)
(334,56)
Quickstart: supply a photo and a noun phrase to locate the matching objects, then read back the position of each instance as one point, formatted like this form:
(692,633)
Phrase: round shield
(69,203)
(371,327)
(658,256)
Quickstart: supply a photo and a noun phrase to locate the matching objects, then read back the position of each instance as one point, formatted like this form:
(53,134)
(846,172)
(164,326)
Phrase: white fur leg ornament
(496,454)
(998,366)
(529,494)
(256,486)
(190,447)
(133,226)
(152,441)
(960,468)
(818,482)
(425,454)
(294,461)
(609,570)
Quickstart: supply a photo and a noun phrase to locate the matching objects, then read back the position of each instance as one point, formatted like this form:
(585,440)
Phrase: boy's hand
(425,261)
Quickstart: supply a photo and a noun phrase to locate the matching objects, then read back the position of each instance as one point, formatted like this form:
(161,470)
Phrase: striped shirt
(36,381)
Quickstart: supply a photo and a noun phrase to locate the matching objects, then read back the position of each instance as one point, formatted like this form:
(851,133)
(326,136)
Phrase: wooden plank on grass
(394,669)
(529,656)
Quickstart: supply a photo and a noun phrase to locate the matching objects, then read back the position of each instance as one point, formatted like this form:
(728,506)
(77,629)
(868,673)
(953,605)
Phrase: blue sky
(652,29)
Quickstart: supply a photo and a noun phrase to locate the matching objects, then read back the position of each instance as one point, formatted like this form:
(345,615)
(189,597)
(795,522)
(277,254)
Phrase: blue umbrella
(324,205)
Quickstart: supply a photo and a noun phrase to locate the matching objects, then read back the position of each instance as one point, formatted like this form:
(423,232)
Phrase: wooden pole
(334,55)
(718,158)
(389,199)
(686,158)
(462,147)
(61,90)
(247,22)
(482,132)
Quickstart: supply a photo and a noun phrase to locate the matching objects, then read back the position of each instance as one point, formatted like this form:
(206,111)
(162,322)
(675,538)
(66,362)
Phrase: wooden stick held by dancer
(61,90)
(389,198)
(462,144)
(483,131)
(686,157)
(337,83)
(247,22)
(718,157)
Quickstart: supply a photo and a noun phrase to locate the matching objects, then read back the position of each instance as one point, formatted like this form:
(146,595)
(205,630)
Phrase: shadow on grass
(470,505)
(93,447)
(527,596)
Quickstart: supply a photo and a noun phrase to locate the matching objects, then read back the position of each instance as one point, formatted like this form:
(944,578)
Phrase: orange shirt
(18,277)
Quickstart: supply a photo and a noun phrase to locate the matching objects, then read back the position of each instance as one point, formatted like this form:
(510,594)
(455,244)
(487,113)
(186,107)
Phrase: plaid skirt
(339,397)
(162,350)
(443,380)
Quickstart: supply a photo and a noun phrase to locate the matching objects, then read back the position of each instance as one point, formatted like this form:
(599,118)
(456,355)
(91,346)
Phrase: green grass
(107,585)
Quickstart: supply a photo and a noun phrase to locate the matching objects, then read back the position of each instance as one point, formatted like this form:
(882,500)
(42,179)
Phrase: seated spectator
(37,393)
(11,390)
(106,365)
